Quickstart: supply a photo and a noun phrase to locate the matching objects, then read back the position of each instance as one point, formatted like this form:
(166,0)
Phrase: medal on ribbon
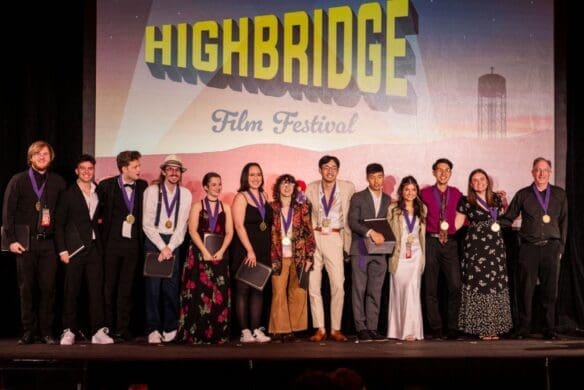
(410,239)
(128,200)
(327,204)
(212,215)
(543,202)
(170,207)
(442,201)
(493,211)
(261,206)
(37,190)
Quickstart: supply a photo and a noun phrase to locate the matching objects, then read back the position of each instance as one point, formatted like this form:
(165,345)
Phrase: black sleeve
(9,209)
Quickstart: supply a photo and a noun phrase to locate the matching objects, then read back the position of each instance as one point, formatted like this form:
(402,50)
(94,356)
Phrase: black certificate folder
(256,277)
(380,225)
(158,269)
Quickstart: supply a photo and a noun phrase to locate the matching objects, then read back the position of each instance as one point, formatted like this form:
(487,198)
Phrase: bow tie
(132,186)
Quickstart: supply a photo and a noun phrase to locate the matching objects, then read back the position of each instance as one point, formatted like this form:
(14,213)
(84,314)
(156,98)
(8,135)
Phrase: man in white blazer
(330,199)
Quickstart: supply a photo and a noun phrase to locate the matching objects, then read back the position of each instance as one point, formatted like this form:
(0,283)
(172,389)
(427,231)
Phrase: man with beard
(121,198)
(29,203)
(166,210)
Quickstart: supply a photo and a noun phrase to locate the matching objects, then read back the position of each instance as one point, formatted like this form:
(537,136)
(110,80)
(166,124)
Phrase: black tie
(132,186)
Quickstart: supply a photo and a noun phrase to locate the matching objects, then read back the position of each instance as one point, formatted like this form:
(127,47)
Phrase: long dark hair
(492,199)
(276,190)
(244,179)
(401,202)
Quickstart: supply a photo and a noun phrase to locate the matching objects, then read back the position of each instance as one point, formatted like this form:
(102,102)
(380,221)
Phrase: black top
(533,228)
(113,209)
(20,199)
(73,213)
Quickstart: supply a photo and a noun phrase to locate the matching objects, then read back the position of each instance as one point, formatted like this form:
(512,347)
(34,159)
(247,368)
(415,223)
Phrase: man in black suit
(121,200)
(78,243)
(368,270)
(29,202)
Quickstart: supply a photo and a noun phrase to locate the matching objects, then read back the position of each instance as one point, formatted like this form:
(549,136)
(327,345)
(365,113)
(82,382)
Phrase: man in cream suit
(330,199)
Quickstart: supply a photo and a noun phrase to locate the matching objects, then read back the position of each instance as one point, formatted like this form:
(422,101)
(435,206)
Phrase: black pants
(88,266)
(121,258)
(36,272)
(543,263)
(442,258)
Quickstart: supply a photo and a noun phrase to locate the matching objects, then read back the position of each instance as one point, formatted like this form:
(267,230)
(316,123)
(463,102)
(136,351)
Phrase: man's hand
(15,247)
(65,257)
(377,238)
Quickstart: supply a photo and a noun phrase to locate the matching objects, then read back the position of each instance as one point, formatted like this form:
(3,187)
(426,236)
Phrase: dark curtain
(41,97)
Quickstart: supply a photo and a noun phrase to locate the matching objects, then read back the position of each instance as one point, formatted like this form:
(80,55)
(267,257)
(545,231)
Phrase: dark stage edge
(533,363)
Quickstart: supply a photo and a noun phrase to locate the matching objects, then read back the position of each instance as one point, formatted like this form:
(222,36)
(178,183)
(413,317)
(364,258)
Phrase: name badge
(286,247)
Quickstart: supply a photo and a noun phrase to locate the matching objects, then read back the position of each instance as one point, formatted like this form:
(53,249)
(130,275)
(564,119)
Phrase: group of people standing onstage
(295,234)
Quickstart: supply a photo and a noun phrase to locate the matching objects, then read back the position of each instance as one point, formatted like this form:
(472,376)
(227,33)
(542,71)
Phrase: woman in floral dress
(205,298)
(485,308)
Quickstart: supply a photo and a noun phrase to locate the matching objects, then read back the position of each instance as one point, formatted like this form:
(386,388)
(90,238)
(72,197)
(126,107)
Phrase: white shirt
(376,201)
(150,204)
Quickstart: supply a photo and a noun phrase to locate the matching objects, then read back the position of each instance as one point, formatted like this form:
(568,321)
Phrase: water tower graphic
(492,106)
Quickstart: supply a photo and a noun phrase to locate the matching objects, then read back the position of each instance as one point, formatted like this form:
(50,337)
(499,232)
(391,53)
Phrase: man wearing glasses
(330,199)
(441,250)
(544,225)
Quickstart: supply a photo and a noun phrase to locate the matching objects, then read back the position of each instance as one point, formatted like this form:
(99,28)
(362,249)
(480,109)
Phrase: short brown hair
(123,159)
(36,147)
(538,159)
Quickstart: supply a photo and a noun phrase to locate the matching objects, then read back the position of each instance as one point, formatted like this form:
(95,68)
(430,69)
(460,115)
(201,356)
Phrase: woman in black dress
(252,218)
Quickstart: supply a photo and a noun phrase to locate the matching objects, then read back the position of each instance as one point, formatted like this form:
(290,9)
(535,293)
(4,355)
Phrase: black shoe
(436,334)
(119,337)
(27,338)
(289,338)
(363,336)
(375,336)
(520,335)
(48,340)
(453,335)
(551,336)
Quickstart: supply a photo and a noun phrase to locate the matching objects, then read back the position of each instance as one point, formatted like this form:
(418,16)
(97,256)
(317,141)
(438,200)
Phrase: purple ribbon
(128,201)
(441,201)
(213,216)
(170,207)
(410,223)
(544,203)
(38,191)
(287,221)
(327,205)
(494,211)
(261,207)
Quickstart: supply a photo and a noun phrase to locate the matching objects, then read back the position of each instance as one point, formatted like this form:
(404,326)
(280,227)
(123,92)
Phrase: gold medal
(263,226)
(444,225)
(168,224)
(326,222)
(130,219)
(286,241)
(546,218)
(410,239)
(37,205)
(495,227)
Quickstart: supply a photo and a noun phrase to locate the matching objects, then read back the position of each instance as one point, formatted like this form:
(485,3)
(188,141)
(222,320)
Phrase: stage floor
(532,362)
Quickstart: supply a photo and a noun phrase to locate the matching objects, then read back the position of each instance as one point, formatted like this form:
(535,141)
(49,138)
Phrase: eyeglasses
(331,168)
(172,169)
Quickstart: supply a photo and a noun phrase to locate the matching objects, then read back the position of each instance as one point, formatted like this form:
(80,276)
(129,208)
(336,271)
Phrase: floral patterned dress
(205,298)
(485,308)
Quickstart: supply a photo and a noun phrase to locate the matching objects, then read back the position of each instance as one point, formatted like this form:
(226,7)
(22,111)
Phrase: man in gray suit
(368,270)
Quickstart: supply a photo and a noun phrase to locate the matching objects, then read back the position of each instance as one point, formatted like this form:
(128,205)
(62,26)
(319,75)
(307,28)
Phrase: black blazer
(72,213)
(108,190)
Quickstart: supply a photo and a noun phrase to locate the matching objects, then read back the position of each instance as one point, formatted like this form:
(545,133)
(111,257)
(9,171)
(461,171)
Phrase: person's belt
(436,235)
(333,230)
(540,243)
(43,236)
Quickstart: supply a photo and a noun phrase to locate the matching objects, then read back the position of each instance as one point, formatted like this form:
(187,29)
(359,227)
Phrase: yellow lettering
(265,48)
(151,44)
(396,47)
(231,46)
(372,83)
(211,63)
(340,16)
